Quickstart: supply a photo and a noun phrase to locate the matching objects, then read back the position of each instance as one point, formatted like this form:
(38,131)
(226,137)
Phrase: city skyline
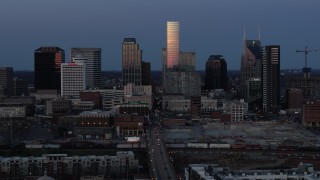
(213,27)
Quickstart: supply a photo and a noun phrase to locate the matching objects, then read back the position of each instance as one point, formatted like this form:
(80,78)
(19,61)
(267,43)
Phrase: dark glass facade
(216,73)
(47,64)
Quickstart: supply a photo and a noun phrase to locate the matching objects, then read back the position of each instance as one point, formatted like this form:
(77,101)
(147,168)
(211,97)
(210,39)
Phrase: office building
(19,87)
(187,61)
(143,94)
(131,62)
(216,73)
(250,64)
(73,79)
(214,171)
(146,73)
(6,75)
(271,78)
(294,101)
(310,86)
(195,107)
(311,113)
(93,63)
(254,93)
(62,166)
(47,66)
(173,50)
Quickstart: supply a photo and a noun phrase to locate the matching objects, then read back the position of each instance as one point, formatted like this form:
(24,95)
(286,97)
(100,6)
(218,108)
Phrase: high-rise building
(131,62)
(93,63)
(173,50)
(179,75)
(270,78)
(146,73)
(250,64)
(47,65)
(216,73)
(20,87)
(254,92)
(187,61)
(6,75)
(73,79)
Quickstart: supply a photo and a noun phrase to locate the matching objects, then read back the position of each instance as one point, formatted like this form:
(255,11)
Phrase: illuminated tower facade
(47,65)
(131,62)
(173,50)
(271,78)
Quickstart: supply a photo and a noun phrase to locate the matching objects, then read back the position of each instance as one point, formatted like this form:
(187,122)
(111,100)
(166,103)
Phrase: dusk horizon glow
(207,28)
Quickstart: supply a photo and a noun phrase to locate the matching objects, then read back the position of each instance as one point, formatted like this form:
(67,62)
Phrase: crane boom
(306,51)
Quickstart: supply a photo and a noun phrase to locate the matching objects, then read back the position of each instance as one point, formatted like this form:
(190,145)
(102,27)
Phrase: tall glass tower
(93,62)
(47,64)
(173,50)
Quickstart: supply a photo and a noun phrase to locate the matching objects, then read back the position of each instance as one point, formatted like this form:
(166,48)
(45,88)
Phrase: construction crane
(306,51)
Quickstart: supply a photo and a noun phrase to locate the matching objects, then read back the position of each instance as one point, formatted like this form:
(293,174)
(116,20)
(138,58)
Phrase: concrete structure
(58,106)
(83,105)
(271,78)
(182,82)
(311,113)
(93,96)
(143,94)
(129,125)
(309,86)
(214,171)
(177,103)
(136,108)
(131,62)
(216,73)
(47,66)
(12,110)
(6,77)
(19,87)
(93,63)
(110,97)
(294,101)
(27,101)
(236,108)
(187,61)
(195,107)
(62,166)
(73,79)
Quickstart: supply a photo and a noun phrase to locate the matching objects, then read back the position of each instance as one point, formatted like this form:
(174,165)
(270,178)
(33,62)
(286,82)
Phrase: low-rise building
(12,110)
(129,125)
(62,166)
(57,106)
(214,171)
(311,113)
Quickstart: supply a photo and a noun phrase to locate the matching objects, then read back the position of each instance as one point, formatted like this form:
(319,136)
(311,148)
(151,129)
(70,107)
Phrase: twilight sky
(206,27)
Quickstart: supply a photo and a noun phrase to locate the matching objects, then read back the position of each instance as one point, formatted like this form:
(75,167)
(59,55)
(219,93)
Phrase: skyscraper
(187,61)
(271,78)
(216,73)
(250,64)
(6,75)
(178,68)
(73,79)
(173,50)
(146,73)
(131,62)
(93,63)
(47,65)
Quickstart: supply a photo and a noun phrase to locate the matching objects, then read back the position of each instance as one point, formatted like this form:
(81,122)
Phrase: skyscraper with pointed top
(250,64)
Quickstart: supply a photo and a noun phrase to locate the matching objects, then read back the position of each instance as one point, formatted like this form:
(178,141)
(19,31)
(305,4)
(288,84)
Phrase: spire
(259,35)
(244,40)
